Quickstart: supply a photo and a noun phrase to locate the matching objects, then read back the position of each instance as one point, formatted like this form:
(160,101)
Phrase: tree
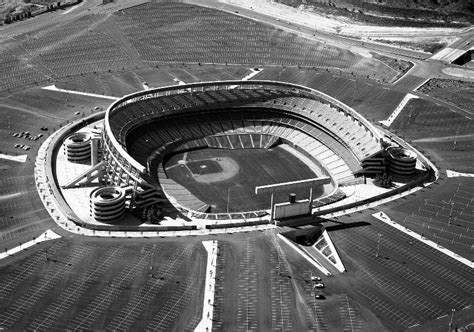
(384,180)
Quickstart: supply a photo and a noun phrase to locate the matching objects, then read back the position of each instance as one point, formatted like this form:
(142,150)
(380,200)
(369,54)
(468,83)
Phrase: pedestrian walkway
(46,236)
(454,174)
(54,88)
(20,159)
(209,287)
(398,110)
(253,73)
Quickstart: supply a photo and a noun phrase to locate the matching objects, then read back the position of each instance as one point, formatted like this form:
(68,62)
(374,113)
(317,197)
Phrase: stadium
(190,151)
(236,166)
(144,128)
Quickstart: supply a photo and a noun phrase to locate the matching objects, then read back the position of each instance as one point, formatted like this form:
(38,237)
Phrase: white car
(314,278)
(319,285)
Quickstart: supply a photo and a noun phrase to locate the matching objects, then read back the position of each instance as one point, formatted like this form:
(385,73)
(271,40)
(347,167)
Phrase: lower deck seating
(242,129)
(180,193)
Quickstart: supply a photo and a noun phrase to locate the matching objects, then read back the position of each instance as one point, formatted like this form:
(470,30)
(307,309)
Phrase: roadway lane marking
(386,219)
(46,236)
(209,287)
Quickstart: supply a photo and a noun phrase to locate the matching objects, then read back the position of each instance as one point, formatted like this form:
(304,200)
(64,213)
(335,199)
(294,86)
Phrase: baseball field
(226,179)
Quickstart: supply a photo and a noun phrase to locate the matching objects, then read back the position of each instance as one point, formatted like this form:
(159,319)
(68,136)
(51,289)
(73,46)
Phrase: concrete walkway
(454,174)
(54,88)
(209,287)
(254,72)
(398,110)
(46,236)
(383,217)
(20,159)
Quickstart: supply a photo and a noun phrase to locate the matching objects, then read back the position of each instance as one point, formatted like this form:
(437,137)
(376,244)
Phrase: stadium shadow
(297,221)
(341,225)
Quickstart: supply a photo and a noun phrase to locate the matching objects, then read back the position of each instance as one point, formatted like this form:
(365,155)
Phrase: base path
(230,168)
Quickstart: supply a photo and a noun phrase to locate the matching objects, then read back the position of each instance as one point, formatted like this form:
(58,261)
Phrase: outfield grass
(257,167)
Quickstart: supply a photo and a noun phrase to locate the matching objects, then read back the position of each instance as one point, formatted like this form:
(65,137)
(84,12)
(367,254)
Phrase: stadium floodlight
(378,246)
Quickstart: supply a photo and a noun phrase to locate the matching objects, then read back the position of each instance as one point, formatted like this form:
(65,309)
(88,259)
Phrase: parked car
(319,297)
(315,278)
(319,285)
